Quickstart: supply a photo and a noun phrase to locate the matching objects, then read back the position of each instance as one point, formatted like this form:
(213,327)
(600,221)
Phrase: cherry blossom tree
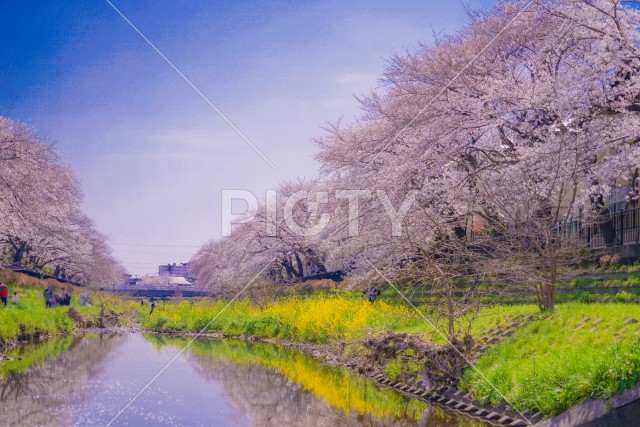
(500,134)
(41,224)
(542,118)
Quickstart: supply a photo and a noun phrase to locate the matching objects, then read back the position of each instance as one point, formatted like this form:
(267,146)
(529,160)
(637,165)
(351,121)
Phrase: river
(87,380)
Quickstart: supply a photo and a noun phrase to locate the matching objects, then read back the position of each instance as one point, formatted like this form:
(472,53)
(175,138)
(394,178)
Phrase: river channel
(88,380)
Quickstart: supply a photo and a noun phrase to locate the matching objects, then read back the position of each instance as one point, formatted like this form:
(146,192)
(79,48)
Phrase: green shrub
(587,297)
(623,296)
(393,370)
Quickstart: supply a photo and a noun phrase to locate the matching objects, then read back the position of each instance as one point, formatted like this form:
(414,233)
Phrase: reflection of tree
(276,386)
(38,394)
(270,399)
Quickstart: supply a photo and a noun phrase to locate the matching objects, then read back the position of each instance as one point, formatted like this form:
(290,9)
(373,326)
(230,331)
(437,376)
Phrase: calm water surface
(86,381)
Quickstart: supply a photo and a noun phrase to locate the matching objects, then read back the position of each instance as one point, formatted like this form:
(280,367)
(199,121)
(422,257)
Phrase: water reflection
(35,387)
(279,386)
(87,380)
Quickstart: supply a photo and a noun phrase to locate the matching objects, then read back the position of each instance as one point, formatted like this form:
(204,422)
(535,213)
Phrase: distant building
(177,270)
(164,281)
(129,280)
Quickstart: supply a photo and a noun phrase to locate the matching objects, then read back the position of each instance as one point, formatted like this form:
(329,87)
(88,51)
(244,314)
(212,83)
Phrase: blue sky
(151,155)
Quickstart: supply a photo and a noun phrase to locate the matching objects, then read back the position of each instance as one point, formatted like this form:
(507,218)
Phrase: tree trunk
(550,286)
(290,269)
(19,252)
(286,263)
(299,264)
(450,310)
(314,258)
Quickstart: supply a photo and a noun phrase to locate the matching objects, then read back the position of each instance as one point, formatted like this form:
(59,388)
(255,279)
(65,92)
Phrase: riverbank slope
(539,362)
(31,321)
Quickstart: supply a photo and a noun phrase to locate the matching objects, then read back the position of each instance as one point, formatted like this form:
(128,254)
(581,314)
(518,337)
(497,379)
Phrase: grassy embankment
(557,361)
(30,320)
(318,318)
(547,365)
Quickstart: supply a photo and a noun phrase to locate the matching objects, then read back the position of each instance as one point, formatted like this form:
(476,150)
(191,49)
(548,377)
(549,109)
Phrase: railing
(620,228)
(174,288)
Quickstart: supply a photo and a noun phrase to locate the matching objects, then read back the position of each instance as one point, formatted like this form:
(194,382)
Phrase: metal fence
(173,288)
(619,228)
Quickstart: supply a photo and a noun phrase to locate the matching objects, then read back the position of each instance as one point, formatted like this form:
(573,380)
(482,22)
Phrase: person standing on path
(4,293)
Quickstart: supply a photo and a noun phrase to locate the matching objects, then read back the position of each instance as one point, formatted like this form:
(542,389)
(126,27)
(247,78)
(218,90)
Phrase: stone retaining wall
(461,403)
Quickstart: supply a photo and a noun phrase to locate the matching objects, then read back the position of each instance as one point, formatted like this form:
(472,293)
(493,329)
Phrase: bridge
(160,291)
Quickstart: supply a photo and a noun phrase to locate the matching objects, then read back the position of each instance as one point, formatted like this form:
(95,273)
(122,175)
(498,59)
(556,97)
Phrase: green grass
(549,366)
(632,279)
(593,297)
(629,268)
(433,327)
(317,318)
(30,319)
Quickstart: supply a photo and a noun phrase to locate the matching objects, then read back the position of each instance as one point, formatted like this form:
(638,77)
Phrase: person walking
(4,293)
(15,299)
(372,293)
